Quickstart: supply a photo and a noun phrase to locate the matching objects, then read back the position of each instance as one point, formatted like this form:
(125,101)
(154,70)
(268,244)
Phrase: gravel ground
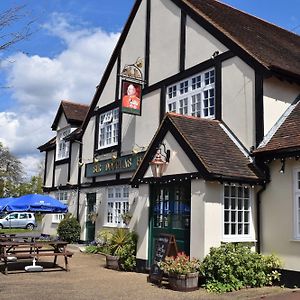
(88,279)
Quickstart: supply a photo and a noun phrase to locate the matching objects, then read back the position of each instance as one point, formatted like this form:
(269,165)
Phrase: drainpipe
(258,215)
(78,183)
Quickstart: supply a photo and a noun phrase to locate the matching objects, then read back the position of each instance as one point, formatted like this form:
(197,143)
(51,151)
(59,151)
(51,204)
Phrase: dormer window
(193,96)
(108,129)
(62,146)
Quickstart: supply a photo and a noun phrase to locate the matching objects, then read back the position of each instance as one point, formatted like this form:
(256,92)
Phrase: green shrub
(69,229)
(92,249)
(234,266)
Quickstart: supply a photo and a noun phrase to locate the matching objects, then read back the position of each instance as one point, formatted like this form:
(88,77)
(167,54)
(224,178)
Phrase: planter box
(184,283)
(112,262)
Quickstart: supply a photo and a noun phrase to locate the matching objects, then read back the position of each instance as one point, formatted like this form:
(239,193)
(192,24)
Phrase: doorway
(90,223)
(170,210)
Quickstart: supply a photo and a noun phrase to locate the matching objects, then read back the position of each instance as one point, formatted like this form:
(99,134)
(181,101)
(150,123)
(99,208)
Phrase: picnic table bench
(33,249)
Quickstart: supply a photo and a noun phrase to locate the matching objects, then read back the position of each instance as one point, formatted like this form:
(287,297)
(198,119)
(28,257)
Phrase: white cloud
(40,83)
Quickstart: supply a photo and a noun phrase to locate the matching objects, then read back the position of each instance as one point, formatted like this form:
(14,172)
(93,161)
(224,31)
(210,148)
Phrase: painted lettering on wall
(123,164)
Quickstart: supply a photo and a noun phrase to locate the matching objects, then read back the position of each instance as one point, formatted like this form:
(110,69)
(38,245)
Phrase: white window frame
(239,213)
(117,204)
(108,129)
(296,188)
(61,196)
(62,146)
(193,96)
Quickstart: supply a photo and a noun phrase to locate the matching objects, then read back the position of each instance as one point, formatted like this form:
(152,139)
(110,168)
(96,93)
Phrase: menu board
(165,245)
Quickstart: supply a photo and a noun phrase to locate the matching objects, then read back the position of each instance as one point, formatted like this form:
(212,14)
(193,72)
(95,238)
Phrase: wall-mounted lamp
(136,149)
(95,160)
(80,164)
(281,171)
(114,156)
(160,161)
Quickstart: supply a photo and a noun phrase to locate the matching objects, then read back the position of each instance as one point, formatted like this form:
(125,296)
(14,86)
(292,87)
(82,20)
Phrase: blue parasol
(33,203)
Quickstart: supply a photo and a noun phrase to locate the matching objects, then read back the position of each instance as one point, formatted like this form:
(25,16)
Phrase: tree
(8,19)
(11,172)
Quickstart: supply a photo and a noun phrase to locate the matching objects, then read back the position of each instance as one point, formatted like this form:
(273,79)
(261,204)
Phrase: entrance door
(90,224)
(170,209)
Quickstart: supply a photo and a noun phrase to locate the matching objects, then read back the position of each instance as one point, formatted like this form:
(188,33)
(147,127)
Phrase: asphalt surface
(89,279)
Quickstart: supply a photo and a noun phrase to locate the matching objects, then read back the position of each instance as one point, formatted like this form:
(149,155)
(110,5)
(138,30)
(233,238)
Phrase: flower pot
(112,262)
(184,283)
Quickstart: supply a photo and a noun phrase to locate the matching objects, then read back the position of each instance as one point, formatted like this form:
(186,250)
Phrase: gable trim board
(259,108)
(168,125)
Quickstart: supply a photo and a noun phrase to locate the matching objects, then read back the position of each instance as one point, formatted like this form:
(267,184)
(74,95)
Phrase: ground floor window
(237,212)
(297,204)
(56,218)
(117,205)
(61,196)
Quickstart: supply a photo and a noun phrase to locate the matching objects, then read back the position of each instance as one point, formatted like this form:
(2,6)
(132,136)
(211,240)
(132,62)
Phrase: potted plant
(183,272)
(126,218)
(121,250)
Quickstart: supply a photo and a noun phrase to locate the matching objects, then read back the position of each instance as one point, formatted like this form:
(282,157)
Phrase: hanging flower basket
(184,283)
(92,217)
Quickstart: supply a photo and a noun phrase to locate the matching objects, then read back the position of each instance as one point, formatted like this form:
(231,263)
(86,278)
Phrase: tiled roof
(217,151)
(275,48)
(74,113)
(286,137)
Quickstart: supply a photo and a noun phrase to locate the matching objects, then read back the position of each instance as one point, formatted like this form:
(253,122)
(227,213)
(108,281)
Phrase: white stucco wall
(61,174)
(62,123)
(49,168)
(134,45)
(238,98)
(278,95)
(277,216)
(74,163)
(140,221)
(108,93)
(164,40)
(200,45)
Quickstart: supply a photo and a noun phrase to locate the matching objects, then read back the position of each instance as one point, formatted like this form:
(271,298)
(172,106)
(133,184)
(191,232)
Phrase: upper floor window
(297,203)
(108,129)
(62,146)
(194,96)
(237,213)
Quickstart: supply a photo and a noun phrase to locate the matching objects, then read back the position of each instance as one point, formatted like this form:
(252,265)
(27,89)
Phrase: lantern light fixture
(160,161)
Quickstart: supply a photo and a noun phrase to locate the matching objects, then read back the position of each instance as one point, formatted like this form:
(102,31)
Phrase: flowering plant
(181,264)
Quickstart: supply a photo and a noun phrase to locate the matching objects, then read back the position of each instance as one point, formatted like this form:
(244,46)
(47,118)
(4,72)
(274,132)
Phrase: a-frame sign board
(165,245)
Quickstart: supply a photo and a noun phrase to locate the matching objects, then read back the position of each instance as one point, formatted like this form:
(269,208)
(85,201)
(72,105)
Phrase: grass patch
(17,230)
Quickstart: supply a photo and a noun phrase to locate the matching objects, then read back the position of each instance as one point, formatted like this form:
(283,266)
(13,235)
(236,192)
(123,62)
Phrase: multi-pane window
(117,205)
(237,212)
(62,196)
(62,146)
(297,203)
(108,129)
(194,96)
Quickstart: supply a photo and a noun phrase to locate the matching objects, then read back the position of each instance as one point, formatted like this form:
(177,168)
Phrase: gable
(179,161)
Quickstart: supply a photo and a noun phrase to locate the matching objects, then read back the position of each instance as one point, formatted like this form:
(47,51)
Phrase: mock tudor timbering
(219,93)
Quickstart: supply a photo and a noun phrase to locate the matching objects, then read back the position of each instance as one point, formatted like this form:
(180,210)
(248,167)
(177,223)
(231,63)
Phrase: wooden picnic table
(33,249)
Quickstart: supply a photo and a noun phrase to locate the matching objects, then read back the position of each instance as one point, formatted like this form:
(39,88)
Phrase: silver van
(18,220)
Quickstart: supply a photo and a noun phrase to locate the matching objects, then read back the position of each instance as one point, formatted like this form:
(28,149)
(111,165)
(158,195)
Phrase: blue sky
(65,57)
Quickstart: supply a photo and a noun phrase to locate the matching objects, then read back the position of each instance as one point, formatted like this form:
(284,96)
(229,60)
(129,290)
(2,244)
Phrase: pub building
(192,131)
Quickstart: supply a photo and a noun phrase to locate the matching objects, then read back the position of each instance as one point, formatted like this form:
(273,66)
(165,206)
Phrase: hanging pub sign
(131,97)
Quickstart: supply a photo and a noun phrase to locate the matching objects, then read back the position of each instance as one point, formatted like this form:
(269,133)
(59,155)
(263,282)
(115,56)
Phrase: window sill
(239,240)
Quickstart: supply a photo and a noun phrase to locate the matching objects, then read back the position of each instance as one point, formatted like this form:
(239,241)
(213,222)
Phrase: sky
(64,58)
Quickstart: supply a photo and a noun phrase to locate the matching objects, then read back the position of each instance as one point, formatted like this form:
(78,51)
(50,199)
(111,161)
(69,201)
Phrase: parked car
(18,220)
